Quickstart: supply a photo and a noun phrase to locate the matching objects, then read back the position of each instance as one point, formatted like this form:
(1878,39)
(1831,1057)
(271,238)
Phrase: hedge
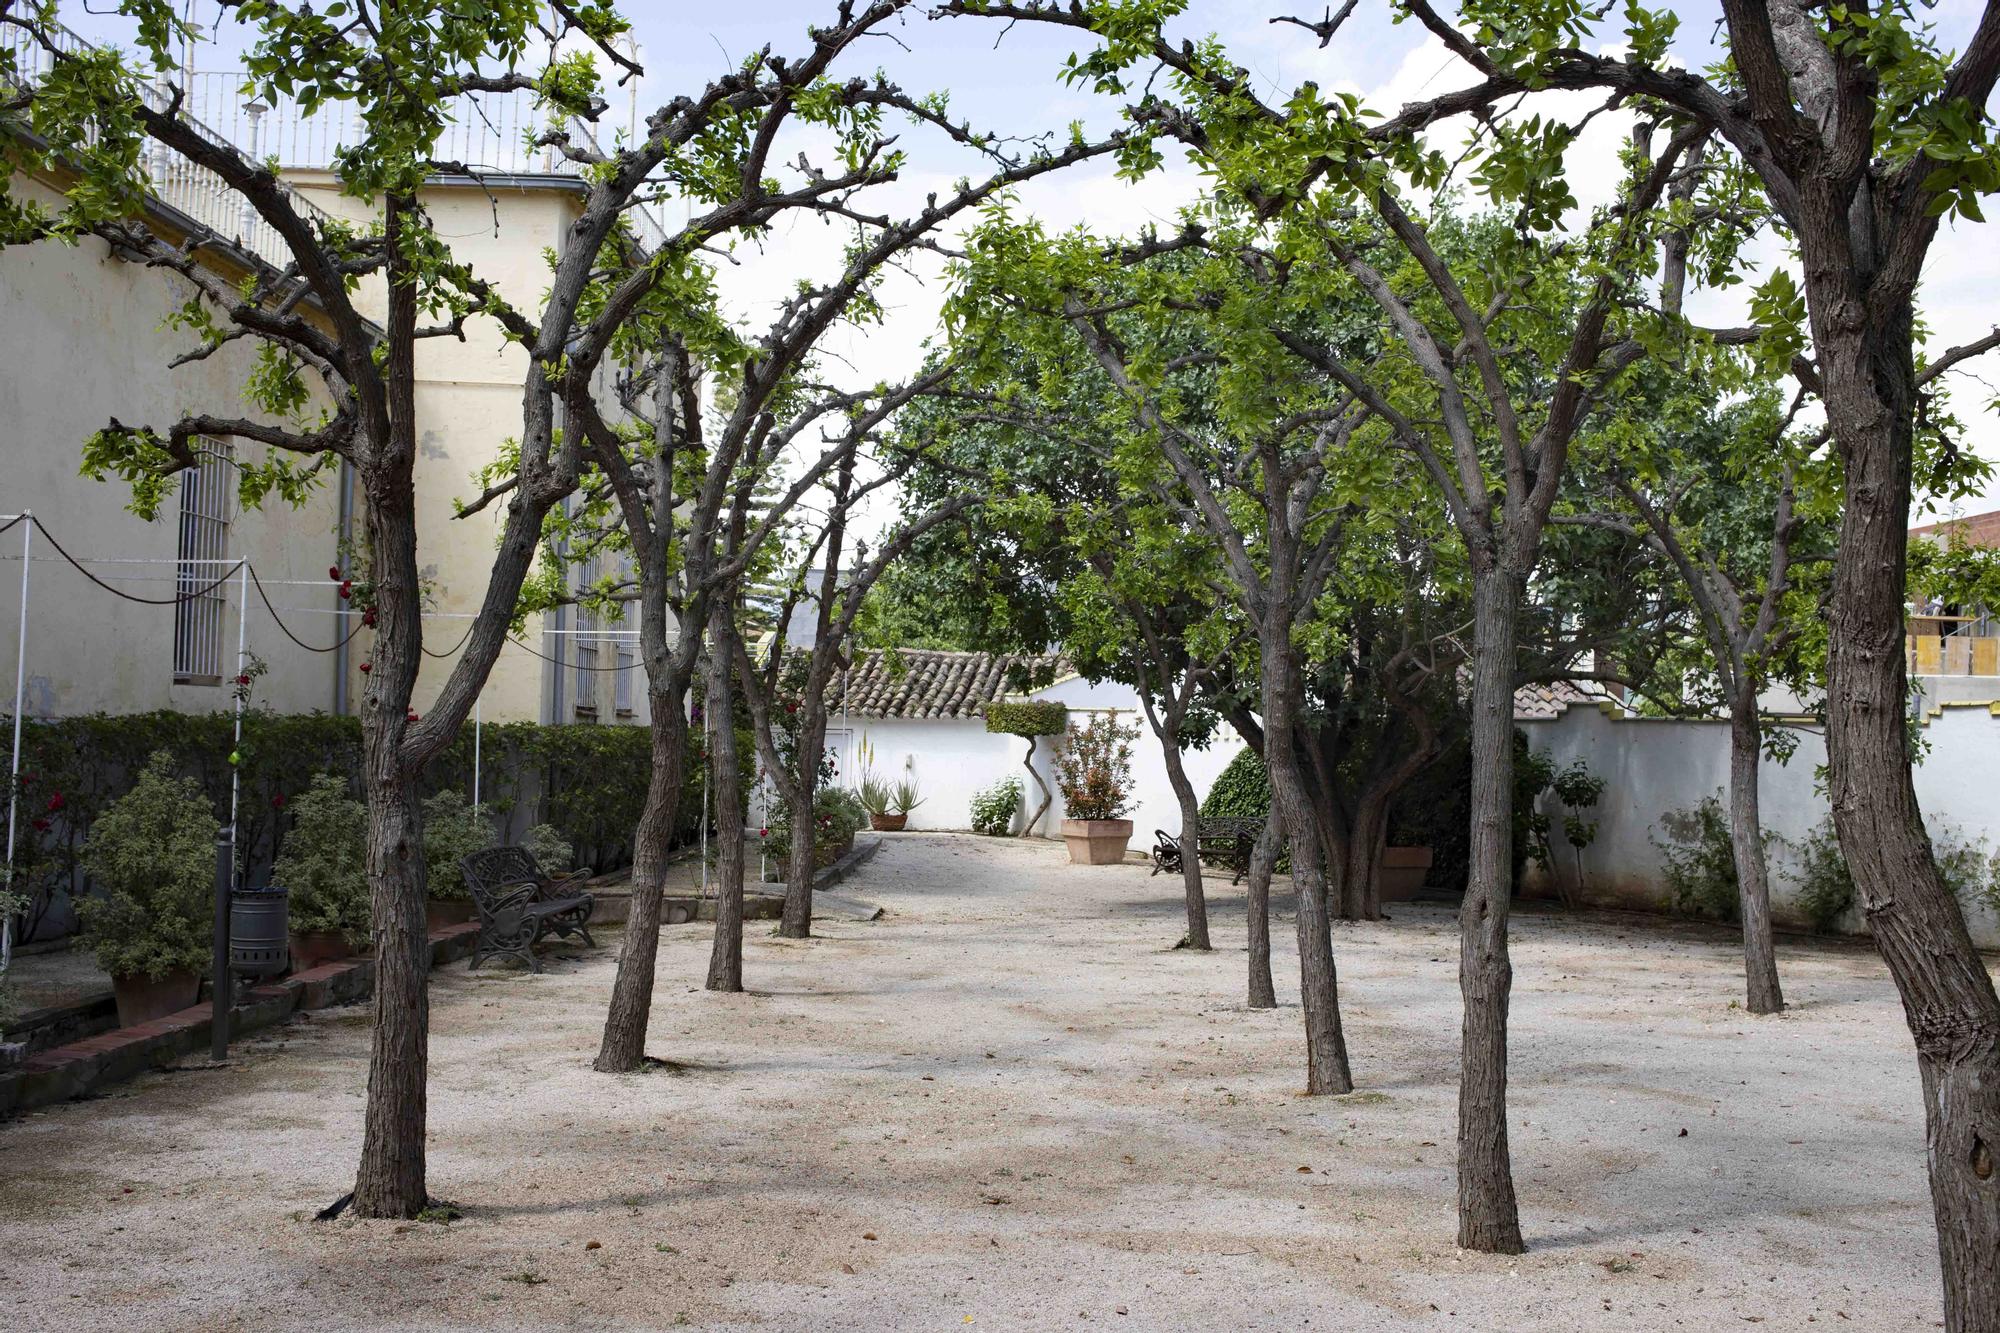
(1036,718)
(588,781)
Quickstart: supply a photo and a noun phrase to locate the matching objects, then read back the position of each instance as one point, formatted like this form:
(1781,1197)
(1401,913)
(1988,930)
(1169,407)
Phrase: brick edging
(80,1067)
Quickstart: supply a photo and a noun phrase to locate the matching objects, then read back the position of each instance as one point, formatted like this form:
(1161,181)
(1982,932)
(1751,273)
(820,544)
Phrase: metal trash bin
(260,931)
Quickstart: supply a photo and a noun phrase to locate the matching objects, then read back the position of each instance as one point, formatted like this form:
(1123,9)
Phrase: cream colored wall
(81,342)
(468,404)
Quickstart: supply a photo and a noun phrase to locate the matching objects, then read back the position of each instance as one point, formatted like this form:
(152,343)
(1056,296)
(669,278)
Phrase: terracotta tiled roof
(1973,529)
(922,683)
(1539,703)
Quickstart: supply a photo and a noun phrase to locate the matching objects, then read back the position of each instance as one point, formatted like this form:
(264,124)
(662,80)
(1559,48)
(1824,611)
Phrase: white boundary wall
(1650,766)
(952,760)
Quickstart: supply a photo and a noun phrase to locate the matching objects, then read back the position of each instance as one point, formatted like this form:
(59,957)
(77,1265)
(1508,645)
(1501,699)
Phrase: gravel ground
(1010,1104)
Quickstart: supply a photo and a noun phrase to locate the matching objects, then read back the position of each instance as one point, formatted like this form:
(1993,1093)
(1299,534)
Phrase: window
(627,661)
(584,652)
(204,542)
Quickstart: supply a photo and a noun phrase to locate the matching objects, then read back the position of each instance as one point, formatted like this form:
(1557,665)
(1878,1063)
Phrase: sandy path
(1008,1105)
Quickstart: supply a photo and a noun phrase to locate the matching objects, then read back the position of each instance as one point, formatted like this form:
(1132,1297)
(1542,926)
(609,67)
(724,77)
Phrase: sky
(1006,79)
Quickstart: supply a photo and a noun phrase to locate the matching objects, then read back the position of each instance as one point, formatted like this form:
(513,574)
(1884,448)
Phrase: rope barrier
(43,528)
(285,630)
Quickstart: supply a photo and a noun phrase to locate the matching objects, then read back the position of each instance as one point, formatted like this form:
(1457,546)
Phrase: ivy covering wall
(588,781)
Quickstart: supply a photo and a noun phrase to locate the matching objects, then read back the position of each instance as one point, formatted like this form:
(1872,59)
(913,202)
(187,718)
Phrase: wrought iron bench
(1223,840)
(519,905)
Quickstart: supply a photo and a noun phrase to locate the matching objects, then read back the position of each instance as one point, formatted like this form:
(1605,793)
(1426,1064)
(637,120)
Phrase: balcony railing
(195,192)
(1952,646)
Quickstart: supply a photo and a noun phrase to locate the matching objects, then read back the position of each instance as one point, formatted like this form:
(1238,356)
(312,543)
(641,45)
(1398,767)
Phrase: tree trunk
(1753,881)
(623,1048)
(1948,996)
(1048,797)
(1488,1218)
(1257,905)
(797,921)
(1197,902)
(1319,985)
(1363,878)
(725,960)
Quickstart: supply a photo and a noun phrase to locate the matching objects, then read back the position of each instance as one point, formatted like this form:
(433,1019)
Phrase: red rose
(278,801)
(368,617)
(56,802)
(345,592)
(763,833)
(243,680)
(413,715)
(333,571)
(41,824)
(367,667)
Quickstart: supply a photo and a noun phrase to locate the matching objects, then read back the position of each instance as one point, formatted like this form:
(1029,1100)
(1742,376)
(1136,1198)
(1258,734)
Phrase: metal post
(242,658)
(27,522)
(477,704)
(707,759)
(221,993)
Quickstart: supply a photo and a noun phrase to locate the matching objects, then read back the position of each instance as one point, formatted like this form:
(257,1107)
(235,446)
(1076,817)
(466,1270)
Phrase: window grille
(204,543)
(627,662)
(584,653)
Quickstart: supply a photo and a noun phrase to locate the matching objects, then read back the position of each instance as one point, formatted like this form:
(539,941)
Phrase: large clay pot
(887,823)
(1096,842)
(1402,872)
(141,999)
(320,946)
(442,912)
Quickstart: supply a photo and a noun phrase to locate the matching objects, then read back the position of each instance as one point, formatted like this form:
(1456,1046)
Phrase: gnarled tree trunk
(1048,797)
(1488,1218)
(1753,878)
(725,960)
(1197,901)
(623,1048)
(1947,993)
(1327,1069)
(1257,905)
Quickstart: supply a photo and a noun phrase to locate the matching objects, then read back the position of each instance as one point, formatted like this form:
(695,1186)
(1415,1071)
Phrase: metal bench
(1223,840)
(519,905)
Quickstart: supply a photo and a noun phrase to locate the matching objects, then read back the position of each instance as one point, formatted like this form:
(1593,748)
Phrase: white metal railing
(194,191)
(487,131)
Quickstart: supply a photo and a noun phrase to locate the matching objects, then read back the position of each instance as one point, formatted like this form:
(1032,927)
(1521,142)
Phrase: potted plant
(454,828)
(1094,772)
(151,855)
(902,801)
(325,865)
(878,800)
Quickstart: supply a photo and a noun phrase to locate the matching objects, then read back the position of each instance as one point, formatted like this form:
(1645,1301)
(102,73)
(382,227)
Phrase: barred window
(203,559)
(584,651)
(627,661)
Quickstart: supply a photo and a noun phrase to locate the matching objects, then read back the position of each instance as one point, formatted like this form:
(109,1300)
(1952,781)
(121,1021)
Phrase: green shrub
(152,855)
(993,809)
(325,862)
(453,828)
(1700,861)
(1241,791)
(553,854)
(1825,888)
(837,816)
(1036,718)
(1826,893)
(1094,771)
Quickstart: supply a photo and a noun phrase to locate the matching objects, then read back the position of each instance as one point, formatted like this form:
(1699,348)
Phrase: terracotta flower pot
(1096,842)
(887,823)
(319,946)
(141,999)
(1403,871)
(442,912)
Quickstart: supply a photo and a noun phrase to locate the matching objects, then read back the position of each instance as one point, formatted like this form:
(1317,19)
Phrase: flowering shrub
(837,816)
(993,810)
(1094,770)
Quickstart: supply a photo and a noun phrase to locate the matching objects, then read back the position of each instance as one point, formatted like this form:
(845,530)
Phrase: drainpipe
(345,542)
